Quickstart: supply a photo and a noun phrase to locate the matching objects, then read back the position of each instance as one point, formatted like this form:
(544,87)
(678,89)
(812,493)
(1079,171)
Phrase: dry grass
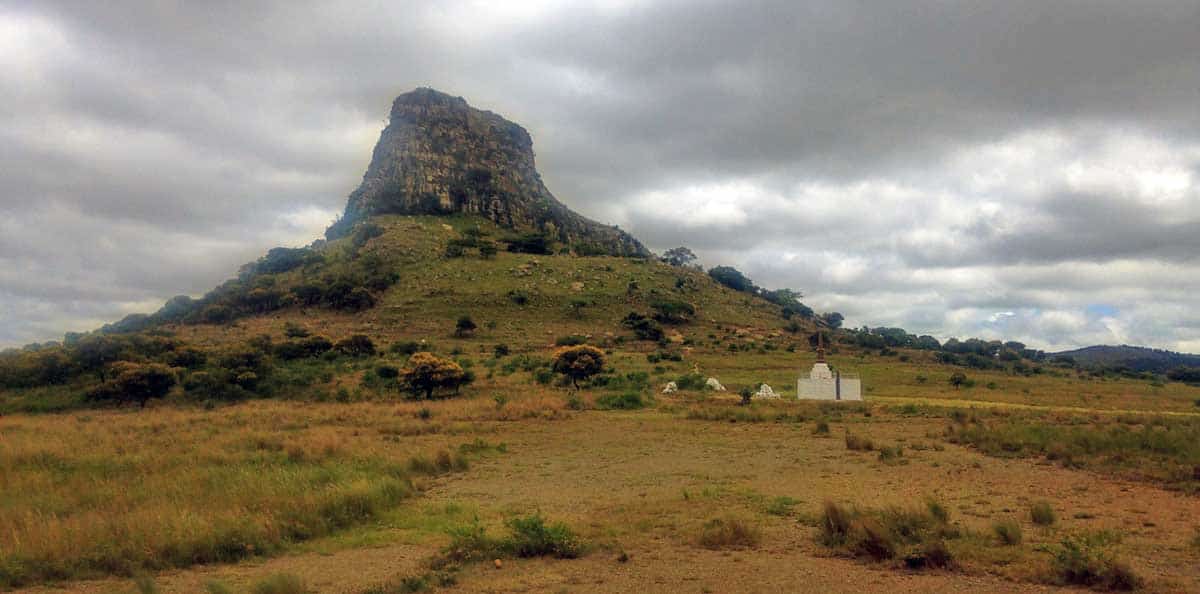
(729,532)
(121,493)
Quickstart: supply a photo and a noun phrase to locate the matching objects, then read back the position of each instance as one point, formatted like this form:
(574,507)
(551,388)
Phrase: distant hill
(1134,357)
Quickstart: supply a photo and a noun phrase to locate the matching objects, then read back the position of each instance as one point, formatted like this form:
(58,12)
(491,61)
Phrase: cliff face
(439,155)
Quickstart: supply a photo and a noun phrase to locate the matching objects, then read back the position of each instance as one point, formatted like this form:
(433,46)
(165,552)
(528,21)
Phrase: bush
(644,328)
(623,401)
(1008,532)
(134,382)
(407,347)
(570,340)
(822,428)
(426,373)
(387,371)
(881,535)
(730,532)
(691,381)
(500,350)
(1042,514)
(1083,561)
(578,362)
(357,345)
(465,326)
(530,243)
(858,443)
(532,537)
(673,312)
(518,297)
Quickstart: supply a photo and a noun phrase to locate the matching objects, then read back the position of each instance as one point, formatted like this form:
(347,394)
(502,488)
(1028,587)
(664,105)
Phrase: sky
(1025,170)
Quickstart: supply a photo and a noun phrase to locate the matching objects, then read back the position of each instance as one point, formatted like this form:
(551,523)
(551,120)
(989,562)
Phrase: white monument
(823,383)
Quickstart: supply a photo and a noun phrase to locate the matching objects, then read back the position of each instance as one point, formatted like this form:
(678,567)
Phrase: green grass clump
(533,537)
(1086,561)
(1008,532)
(529,536)
(623,401)
(280,583)
(1042,514)
(916,535)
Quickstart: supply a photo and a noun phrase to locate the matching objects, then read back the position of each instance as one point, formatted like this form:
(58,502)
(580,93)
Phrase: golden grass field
(344,486)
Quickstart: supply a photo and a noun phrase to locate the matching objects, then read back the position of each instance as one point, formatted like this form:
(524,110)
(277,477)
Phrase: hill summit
(439,155)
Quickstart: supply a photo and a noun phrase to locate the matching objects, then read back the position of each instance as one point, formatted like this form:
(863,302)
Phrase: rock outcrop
(439,155)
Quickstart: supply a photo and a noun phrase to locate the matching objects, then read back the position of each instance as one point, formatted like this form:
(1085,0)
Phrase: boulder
(714,385)
(670,388)
(765,391)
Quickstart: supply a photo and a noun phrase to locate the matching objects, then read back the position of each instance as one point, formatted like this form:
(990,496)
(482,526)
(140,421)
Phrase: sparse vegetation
(729,532)
(1042,514)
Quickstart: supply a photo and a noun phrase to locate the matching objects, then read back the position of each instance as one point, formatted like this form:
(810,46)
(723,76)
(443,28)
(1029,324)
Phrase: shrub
(134,382)
(387,372)
(357,345)
(426,373)
(465,326)
(533,537)
(858,443)
(407,347)
(644,328)
(672,312)
(518,297)
(730,532)
(578,362)
(1042,514)
(691,381)
(530,243)
(822,428)
(294,330)
(624,401)
(500,350)
(1008,532)
(1083,561)
(570,340)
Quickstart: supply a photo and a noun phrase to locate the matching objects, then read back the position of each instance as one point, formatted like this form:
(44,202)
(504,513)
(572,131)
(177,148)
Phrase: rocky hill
(439,155)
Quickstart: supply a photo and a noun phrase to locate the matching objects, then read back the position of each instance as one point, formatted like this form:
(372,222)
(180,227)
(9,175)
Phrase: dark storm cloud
(924,164)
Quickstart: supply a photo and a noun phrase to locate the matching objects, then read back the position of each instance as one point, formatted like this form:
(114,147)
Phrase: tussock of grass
(1042,514)
(1008,532)
(529,536)
(858,443)
(280,583)
(915,535)
(1087,561)
(728,533)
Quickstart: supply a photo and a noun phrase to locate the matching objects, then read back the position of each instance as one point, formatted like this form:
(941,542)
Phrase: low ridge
(439,155)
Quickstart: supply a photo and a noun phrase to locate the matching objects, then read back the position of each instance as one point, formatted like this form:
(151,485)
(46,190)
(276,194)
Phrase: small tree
(746,393)
(134,382)
(679,256)
(578,362)
(426,372)
(957,379)
(464,327)
(488,250)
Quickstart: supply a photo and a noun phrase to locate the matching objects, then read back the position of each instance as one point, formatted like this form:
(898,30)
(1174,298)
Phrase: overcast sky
(1025,170)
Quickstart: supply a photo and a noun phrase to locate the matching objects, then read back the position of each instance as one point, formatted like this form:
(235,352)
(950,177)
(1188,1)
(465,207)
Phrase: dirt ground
(643,483)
